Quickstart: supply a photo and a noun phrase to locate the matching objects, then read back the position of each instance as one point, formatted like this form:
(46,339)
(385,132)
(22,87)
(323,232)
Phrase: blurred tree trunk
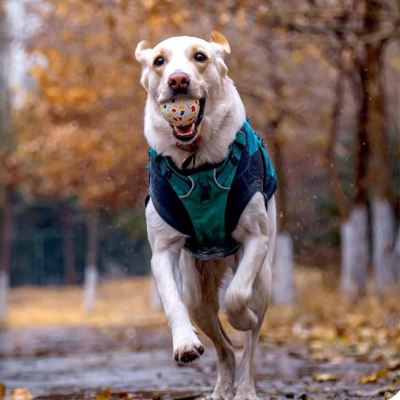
(68,245)
(396,256)
(283,285)
(348,225)
(337,189)
(5,145)
(5,248)
(355,243)
(382,213)
(91,274)
(353,230)
(354,221)
(354,235)
(283,290)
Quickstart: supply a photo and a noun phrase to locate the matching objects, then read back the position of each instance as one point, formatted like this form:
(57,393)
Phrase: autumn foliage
(80,131)
(299,69)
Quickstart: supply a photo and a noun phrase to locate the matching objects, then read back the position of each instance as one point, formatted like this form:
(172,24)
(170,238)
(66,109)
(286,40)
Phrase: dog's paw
(188,352)
(187,346)
(218,396)
(246,396)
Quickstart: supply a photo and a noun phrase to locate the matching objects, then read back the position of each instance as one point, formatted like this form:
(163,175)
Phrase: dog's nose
(179,81)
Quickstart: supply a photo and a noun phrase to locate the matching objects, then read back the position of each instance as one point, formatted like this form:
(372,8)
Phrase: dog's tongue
(185,130)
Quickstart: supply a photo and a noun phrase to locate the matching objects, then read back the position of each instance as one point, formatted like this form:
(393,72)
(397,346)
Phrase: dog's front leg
(249,290)
(166,244)
(253,234)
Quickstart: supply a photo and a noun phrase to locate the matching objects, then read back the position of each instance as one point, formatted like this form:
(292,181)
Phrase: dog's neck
(223,117)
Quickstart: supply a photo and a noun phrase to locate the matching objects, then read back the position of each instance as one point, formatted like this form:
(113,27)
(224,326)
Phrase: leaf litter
(321,347)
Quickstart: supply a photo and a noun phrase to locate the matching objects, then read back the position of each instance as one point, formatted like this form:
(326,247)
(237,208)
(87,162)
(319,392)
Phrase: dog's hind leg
(247,370)
(247,296)
(259,303)
(201,285)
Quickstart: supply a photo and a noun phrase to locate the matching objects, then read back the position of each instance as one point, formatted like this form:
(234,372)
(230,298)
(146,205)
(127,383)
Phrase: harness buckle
(166,172)
(235,158)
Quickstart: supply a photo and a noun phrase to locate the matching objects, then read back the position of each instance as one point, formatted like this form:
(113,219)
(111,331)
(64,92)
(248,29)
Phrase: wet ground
(79,363)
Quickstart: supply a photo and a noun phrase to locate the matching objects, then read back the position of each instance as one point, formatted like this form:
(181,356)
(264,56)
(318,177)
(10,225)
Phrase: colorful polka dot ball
(180,112)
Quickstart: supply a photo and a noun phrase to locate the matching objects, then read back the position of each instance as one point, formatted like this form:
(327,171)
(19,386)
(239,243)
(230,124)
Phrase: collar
(192,149)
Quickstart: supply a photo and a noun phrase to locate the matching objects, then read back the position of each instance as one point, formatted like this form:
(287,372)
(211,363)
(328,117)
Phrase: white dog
(200,156)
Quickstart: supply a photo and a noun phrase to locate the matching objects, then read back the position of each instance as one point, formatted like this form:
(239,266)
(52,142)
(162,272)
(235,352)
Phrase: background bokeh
(320,80)
(72,142)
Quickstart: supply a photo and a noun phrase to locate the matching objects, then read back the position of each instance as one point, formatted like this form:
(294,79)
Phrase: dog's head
(184,67)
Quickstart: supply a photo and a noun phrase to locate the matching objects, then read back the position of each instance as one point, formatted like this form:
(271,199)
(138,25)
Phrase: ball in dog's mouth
(184,115)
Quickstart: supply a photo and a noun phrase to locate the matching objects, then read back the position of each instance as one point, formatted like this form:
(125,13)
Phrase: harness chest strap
(223,174)
(204,195)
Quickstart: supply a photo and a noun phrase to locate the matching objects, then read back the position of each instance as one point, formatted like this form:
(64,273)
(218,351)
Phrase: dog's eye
(159,61)
(200,57)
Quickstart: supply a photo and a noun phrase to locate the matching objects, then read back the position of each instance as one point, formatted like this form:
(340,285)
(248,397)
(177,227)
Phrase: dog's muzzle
(189,132)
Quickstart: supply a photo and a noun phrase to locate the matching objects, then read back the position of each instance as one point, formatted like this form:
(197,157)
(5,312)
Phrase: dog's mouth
(189,132)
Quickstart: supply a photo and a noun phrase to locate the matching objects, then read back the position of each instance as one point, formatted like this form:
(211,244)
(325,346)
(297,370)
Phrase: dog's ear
(221,42)
(142,51)
(222,47)
(142,54)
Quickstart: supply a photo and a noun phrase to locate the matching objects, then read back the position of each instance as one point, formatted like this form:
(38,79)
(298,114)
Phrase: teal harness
(205,203)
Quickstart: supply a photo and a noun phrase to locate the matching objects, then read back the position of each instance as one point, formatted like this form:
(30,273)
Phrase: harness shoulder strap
(225,177)
(181,184)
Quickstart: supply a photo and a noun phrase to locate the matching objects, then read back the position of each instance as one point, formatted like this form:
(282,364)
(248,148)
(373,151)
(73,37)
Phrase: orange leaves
(16,394)
(75,135)
(98,39)
(241,16)
(72,160)
(313,51)
(374,377)
(395,63)
(61,8)
(40,75)
(2,10)
(324,378)
(10,173)
(63,96)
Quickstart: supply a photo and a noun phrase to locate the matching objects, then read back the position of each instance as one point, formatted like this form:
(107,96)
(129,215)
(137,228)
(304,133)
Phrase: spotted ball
(180,112)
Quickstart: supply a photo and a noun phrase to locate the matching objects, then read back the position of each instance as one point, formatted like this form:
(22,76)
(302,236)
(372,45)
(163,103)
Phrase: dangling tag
(189,160)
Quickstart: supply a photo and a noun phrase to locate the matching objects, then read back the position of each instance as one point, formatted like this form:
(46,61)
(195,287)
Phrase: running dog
(211,210)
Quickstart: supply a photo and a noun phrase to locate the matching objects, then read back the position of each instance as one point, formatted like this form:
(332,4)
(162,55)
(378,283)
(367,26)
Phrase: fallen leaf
(20,394)
(305,397)
(105,394)
(369,393)
(388,395)
(121,395)
(374,377)
(324,378)
(393,365)
(184,396)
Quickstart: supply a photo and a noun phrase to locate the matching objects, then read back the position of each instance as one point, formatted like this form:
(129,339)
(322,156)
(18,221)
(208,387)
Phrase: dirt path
(78,363)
